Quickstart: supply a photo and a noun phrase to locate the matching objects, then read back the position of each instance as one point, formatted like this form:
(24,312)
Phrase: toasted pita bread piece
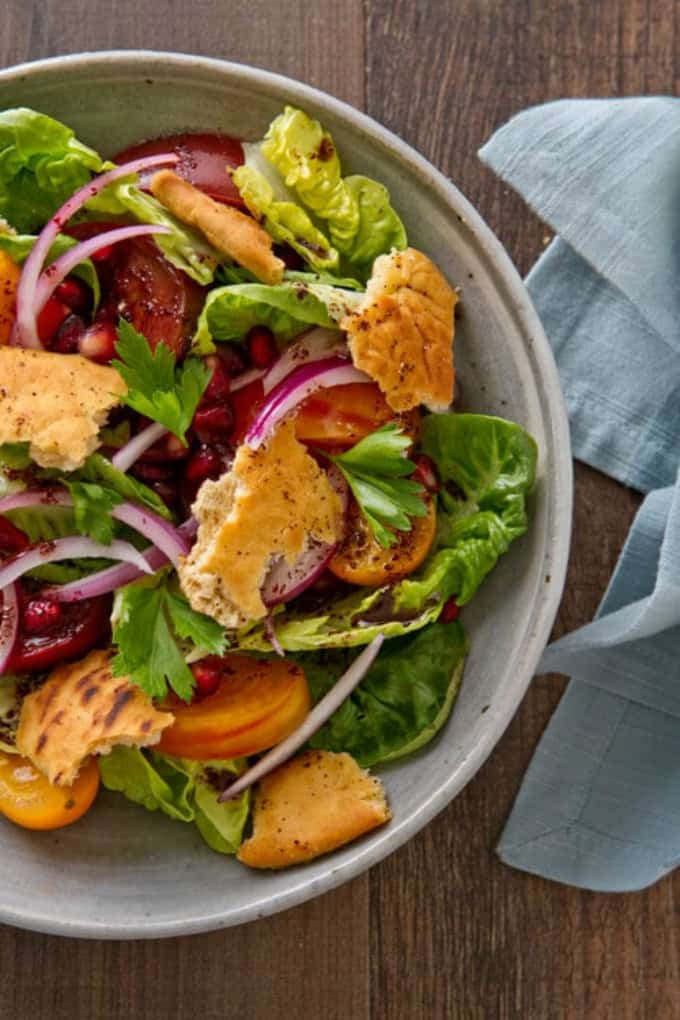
(313,804)
(402,333)
(229,230)
(272,502)
(55,402)
(82,709)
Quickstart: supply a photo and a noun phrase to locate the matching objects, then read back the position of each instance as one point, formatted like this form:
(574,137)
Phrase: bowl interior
(123,872)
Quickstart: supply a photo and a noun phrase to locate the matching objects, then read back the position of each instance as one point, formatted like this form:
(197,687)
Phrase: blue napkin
(600,804)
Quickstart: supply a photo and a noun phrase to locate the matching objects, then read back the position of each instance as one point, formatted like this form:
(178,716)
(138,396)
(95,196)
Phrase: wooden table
(441,929)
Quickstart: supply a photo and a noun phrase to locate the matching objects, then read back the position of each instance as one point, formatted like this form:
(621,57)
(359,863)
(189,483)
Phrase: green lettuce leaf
(284,221)
(41,164)
(361,221)
(184,247)
(404,699)
(487,466)
(286,308)
(17,246)
(185,791)
(99,469)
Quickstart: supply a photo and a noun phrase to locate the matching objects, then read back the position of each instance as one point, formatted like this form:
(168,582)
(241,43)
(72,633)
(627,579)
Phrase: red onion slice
(314,721)
(25,331)
(139,444)
(105,581)
(246,378)
(315,345)
(74,548)
(286,580)
(9,623)
(159,531)
(272,637)
(296,388)
(61,267)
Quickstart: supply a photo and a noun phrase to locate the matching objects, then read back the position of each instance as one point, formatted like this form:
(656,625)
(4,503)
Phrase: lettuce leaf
(487,466)
(41,164)
(184,247)
(185,791)
(285,221)
(361,221)
(405,698)
(286,308)
(17,246)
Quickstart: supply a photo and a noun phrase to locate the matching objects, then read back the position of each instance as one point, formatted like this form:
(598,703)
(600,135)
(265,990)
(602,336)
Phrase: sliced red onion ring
(246,378)
(25,333)
(286,580)
(139,444)
(272,637)
(315,345)
(9,623)
(314,721)
(293,390)
(34,497)
(51,277)
(114,577)
(159,531)
(74,548)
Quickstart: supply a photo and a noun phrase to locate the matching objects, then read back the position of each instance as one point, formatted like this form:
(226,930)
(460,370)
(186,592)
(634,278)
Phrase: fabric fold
(600,804)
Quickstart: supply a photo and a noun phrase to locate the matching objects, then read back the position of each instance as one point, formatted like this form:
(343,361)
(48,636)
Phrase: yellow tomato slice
(256,705)
(28,799)
(9,279)
(361,560)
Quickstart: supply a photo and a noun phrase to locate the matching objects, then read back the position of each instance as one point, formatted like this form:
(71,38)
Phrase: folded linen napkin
(600,804)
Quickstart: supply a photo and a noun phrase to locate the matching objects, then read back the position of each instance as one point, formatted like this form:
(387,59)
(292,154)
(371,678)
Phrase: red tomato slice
(245,403)
(203,161)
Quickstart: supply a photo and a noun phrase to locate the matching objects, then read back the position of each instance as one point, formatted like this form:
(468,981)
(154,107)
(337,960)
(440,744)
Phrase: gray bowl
(124,873)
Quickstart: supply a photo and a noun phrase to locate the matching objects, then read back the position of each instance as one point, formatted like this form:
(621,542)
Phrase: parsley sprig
(151,620)
(376,470)
(157,388)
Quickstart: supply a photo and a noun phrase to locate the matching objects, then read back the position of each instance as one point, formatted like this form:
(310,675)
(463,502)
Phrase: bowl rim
(547,597)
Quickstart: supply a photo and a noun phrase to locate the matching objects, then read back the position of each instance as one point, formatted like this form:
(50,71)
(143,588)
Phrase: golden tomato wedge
(255,705)
(342,415)
(361,560)
(28,799)
(9,279)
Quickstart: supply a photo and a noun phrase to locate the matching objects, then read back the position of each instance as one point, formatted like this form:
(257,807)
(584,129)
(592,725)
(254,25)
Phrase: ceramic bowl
(122,872)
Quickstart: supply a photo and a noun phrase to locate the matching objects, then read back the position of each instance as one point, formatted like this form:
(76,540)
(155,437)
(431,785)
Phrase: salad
(240,513)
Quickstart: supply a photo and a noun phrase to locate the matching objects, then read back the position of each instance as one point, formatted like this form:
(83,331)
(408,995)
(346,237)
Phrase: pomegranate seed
(40,615)
(153,472)
(168,493)
(232,358)
(168,448)
(12,539)
(261,347)
(213,422)
(51,318)
(426,473)
(67,337)
(98,342)
(207,674)
(289,256)
(75,294)
(102,254)
(219,385)
(206,463)
(450,611)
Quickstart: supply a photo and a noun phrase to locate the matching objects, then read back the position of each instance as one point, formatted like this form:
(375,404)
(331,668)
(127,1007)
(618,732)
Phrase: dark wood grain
(458,935)
(440,931)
